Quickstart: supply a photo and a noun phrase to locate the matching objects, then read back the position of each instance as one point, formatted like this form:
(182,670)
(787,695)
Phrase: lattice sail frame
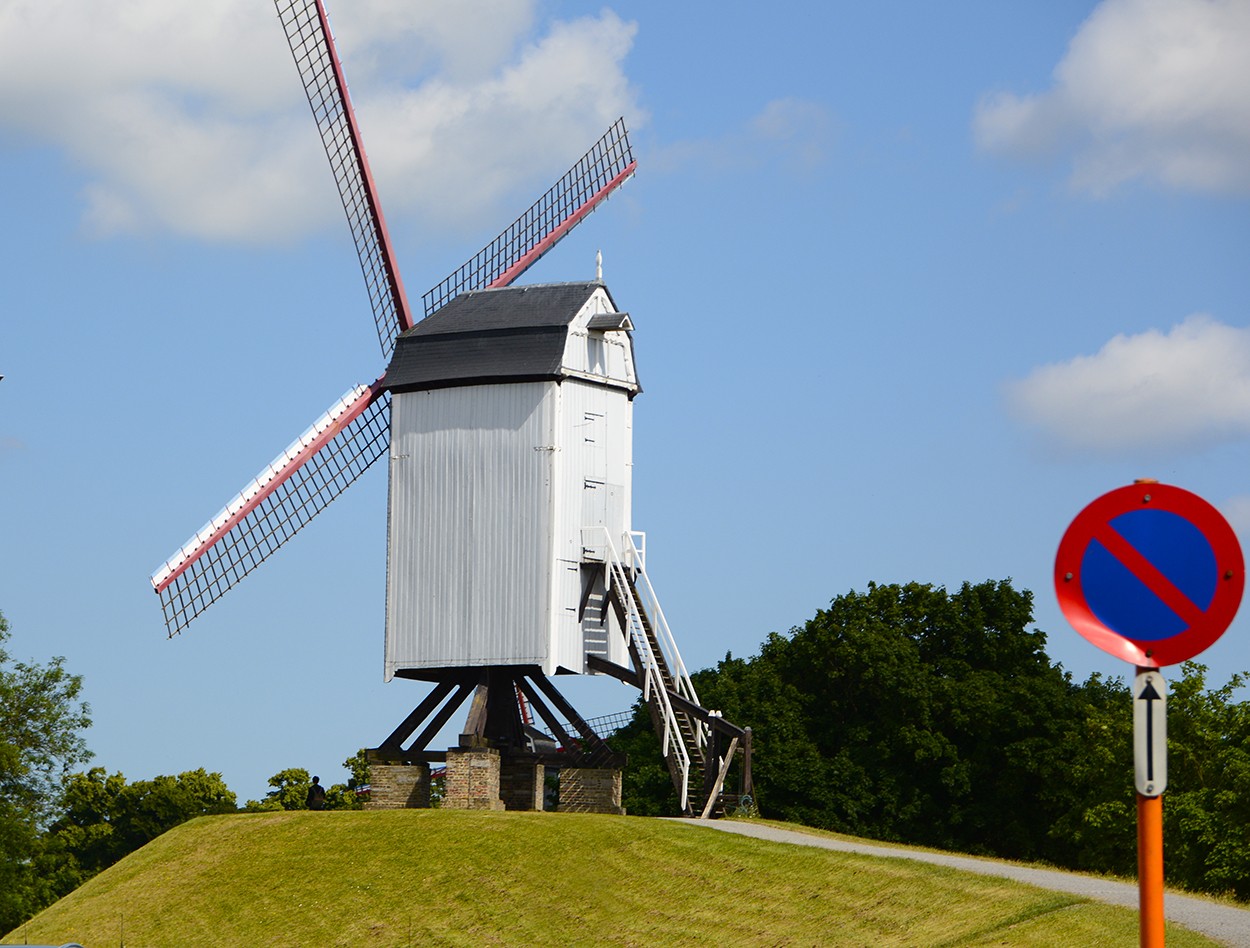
(292,489)
(312,44)
(354,433)
(607,165)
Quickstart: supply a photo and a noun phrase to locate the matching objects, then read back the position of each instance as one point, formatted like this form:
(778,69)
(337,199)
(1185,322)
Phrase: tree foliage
(1206,812)
(41,717)
(104,818)
(290,788)
(911,714)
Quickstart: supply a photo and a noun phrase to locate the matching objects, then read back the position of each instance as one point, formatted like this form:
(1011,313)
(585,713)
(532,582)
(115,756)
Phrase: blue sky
(913,283)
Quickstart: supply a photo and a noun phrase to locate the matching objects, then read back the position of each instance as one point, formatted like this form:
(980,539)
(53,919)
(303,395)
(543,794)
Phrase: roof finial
(598,266)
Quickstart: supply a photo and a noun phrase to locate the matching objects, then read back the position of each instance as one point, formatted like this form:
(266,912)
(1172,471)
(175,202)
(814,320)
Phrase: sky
(912,284)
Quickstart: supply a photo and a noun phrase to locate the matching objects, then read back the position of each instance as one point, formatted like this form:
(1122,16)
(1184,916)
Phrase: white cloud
(469,144)
(1151,89)
(189,118)
(1153,392)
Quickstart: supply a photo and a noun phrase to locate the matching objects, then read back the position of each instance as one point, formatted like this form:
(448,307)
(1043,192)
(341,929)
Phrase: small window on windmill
(597,329)
(595,352)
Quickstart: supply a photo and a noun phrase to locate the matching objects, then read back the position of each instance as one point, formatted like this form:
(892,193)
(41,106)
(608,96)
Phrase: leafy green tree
(1206,809)
(290,791)
(1092,784)
(104,818)
(909,713)
(344,796)
(41,717)
(290,788)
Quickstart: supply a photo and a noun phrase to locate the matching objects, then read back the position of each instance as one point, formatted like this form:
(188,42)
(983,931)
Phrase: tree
(290,792)
(1206,808)
(347,797)
(104,818)
(290,788)
(41,717)
(909,713)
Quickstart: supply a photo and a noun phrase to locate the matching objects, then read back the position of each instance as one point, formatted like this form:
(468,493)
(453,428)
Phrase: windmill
(506,415)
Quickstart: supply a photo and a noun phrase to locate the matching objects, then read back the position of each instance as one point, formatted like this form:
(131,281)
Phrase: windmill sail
(312,45)
(292,489)
(608,164)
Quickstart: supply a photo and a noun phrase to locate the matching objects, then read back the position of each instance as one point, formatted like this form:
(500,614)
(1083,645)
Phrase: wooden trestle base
(502,760)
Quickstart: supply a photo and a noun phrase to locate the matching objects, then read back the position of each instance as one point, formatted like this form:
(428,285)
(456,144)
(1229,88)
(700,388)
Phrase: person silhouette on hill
(316,795)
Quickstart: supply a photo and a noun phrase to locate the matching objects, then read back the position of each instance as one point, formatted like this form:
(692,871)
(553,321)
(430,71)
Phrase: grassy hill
(442,877)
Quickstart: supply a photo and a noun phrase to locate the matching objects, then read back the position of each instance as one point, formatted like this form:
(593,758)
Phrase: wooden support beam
(748,787)
(418,715)
(475,725)
(619,672)
(504,728)
(720,780)
(552,722)
(711,757)
(593,741)
(714,721)
(440,719)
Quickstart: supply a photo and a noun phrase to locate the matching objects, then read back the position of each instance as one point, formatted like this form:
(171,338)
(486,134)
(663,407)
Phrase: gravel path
(1224,923)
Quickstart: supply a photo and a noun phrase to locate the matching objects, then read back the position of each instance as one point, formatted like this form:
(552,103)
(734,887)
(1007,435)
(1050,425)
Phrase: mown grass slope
(441,877)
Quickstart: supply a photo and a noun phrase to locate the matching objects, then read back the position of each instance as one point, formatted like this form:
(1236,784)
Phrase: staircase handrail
(659,625)
(653,680)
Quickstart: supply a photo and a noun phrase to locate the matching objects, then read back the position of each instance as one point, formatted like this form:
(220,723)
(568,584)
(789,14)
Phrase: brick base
(398,786)
(472,781)
(521,784)
(590,790)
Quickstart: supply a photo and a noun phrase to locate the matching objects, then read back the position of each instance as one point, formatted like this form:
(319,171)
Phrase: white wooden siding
(469,544)
(596,477)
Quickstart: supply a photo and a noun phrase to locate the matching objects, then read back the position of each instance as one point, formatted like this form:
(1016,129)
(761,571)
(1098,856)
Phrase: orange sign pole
(1150,869)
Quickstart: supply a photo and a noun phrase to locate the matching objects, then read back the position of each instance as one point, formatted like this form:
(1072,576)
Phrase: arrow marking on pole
(1149,695)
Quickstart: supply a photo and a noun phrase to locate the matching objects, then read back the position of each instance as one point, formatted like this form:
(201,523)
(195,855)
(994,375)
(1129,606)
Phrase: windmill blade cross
(312,44)
(296,486)
(604,168)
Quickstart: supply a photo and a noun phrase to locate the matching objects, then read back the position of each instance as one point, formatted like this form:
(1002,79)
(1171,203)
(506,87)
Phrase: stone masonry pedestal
(590,790)
(398,786)
(521,783)
(472,781)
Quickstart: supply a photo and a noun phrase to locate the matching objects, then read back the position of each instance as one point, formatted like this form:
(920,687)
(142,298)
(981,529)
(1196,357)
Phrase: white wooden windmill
(507,412)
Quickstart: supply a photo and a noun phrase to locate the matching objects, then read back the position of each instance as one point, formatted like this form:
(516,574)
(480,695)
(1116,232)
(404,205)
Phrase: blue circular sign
(1150,573)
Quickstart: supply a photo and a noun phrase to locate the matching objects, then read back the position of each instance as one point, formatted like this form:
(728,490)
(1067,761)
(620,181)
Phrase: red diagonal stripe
(1149,575)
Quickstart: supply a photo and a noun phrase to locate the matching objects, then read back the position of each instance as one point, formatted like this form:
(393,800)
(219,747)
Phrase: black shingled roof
(514,334)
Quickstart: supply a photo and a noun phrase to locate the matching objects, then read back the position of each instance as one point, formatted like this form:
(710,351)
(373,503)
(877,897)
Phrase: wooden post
(1150,869)
(711,762)
(748,788)
(475,727)
(720,779)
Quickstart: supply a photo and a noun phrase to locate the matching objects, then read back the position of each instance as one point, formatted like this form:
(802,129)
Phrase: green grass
(442,877)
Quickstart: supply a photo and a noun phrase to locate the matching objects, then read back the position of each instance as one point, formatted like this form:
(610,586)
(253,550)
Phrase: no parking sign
(1150,573)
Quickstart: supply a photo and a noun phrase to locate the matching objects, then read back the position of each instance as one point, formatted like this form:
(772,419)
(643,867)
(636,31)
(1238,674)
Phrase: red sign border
(1183,646)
